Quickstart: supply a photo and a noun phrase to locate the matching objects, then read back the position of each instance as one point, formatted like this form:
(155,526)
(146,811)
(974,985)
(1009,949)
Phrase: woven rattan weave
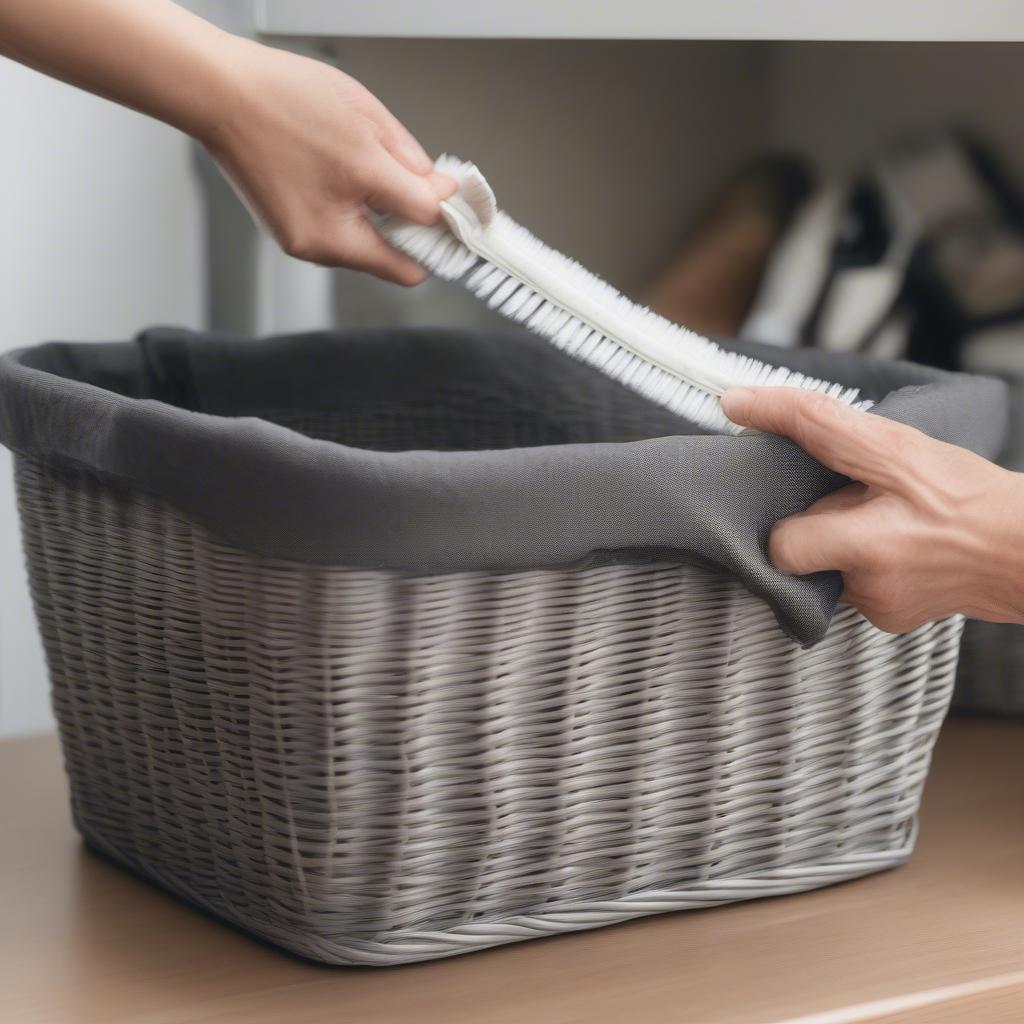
(368,767)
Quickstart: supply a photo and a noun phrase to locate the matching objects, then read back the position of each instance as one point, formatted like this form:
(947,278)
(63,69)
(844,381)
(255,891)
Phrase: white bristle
(579,313)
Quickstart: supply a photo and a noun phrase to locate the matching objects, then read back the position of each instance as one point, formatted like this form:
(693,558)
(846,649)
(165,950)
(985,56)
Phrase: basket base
(406,947)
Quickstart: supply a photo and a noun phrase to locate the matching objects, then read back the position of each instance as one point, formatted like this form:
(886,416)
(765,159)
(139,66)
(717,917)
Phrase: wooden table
(940,940)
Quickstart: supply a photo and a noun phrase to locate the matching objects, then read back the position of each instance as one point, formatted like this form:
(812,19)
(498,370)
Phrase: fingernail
(736,403)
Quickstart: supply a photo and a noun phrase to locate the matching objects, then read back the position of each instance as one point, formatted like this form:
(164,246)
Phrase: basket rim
(277,493)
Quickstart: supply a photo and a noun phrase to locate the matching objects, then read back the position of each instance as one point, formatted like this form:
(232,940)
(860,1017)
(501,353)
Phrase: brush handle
(460,214)
(554,296)
(475,198)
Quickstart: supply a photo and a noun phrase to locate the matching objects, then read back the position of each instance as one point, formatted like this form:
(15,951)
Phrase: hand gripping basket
(394,646)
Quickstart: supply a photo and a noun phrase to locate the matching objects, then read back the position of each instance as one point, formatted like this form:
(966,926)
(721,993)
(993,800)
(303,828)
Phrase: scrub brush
(552,295)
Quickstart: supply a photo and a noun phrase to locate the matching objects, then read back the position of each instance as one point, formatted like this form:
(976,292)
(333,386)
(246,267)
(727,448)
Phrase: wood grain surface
(939,940)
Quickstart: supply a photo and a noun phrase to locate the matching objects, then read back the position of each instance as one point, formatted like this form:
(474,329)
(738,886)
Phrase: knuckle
(876,611)
(322,254)
(813,412)
(382,265)
(301,243)
(880,620)
(880,604)
(817,405)
(364,176)
(355,186)
(902,444)
(892,622)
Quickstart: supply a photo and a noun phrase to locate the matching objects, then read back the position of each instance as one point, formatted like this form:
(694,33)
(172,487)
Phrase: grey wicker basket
(379,764)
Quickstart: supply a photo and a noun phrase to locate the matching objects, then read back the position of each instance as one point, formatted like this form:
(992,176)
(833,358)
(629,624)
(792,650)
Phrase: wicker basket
(373,766)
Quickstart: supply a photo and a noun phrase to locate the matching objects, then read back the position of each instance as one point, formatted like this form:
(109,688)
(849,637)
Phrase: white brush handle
(462,215)
(489,245)
(552,295)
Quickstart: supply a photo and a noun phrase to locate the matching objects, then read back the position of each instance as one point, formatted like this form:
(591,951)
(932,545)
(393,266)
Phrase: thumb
(863,447)
(396,189)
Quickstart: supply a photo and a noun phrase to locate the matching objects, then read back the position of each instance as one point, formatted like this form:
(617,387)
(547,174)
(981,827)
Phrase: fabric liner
(437,451)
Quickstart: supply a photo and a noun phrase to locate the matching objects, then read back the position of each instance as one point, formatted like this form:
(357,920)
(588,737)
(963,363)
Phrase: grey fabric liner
(178,415)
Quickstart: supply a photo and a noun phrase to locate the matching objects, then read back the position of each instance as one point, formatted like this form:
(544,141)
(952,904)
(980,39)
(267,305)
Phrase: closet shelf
(897,20)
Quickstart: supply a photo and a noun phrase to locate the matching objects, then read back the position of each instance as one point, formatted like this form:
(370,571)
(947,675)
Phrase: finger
(799,546)
(442,184)
(359,247)
(401,143)
(844,500)
(861,446)
(393,188)
(805,543)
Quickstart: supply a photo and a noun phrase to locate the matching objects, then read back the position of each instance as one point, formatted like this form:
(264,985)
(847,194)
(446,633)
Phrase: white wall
(100,235)
(605,149)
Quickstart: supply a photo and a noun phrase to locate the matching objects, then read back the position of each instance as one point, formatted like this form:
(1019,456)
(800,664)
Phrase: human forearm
(151,55)
(308,147)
